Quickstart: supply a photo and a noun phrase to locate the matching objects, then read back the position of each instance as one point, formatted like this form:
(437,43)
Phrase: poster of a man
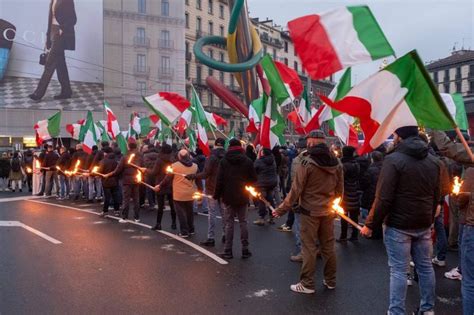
(59,37)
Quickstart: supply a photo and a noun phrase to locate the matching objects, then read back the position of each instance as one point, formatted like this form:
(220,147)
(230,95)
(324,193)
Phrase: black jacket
(368,184)
(210,169)
(4,168)
(66,17)
(158,173)
(266,170)
(128,172)
(200,161)
(234,173)
(64,161)
(81,156)
(108,165)
(350,200)
(50,159)
(408,190)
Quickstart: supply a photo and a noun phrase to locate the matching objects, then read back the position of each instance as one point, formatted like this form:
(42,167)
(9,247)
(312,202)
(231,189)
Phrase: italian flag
(340,124)
(337,39)
(113,126)
(135,128)
(255,113)
(103,134)
(185,120)
(290,78)
(75,129)
(199,117)
(122,143)
(279,92)
(48,128)
(401,94)
(273,124)
(88,134)
(168,106)
(215,120)
(457,109)
(305,111)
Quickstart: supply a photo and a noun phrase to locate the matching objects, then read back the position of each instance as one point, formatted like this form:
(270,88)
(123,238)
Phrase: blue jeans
(201,203)
(63,186)
(214,210)
(80,182)
(467,263)
(95,187)
(364,213)
(460,234)
(296,231)
(401,245)
(441,239)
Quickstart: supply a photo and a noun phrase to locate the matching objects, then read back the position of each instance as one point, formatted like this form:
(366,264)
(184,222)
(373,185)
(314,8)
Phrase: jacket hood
(218,152)
(235,157)
(187,163)
(414,147)
(268,160)
(322,156)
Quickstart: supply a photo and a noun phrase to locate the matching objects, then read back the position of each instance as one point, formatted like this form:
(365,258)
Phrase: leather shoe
(34,97)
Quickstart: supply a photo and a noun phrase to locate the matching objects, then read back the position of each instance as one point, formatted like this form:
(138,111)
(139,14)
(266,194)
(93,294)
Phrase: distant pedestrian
(4,171)
(16,172)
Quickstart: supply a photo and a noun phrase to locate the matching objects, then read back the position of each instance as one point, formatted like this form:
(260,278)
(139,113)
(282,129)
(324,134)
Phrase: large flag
(401,94)
(215,120)
(337,39)
(75,129)
(255,113)
(273,124)
(168,106)
(134,128)
(88,134)
(199,117)
(455,105)
(185,120)
(48,128)
(122,143)
(112,123)
(102,126)
(305,111)
(290,78)
(279,93)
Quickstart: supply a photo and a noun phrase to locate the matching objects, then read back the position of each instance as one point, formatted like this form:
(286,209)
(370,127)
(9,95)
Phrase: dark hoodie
(234,173)
(159,171)
(210,169)
(107,165)
(408,190)
(266,170)
(350,201)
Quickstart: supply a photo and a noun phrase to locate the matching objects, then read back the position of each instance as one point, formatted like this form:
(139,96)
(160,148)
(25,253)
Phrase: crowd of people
(399,192)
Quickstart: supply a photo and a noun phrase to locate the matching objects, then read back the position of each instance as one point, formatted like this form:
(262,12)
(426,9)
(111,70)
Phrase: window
(210,8)
(286,46)
(221,103)
(211,28)
(435,77)
(198,24)
(264,50)
(165,87)
(221,57)
(186,70)
(142,6)
(198,4)
(286,61)
(471,86)
(186,45)
(140,36)
(188,93)
(186,18)
(296,66)
(141,62)
(446,75)
(446,88)
(221,30)
(165,39)
(211,53)
(210,71)
(294,50)
(141,87)
(471,71)
(221,11)
(232,81)
(165,64)
(165,8)
(221,76)
(198,73)
(210,98)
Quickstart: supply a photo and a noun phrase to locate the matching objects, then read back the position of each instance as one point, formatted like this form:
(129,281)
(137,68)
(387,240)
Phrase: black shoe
(246,254)
(157,227)
(191,232)
(34,97)
(209,242)
(173,226)
(20,190)
(223,238)
(341,240)
(62,96)
(226,255)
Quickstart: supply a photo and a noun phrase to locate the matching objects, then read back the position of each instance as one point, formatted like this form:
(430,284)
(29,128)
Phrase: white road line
(19,198)
(32,230)
(173,236)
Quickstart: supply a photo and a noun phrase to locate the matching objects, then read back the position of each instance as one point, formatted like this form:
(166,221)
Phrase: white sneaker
(412,264)
(299,288)
(122,221)
(453,274)
(440,263)
(329,287)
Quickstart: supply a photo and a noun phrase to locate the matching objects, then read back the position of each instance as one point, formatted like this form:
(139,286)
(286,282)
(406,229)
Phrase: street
(102,266)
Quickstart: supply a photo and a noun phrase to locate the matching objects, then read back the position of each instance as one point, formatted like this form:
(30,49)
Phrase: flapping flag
(457,109)
(168,106)
(290,78)
(49,128)
(112,123)
(88,134)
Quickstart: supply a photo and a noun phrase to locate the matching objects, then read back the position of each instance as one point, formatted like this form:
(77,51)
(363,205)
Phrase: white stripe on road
(19,198)
(32,230)
(173,236)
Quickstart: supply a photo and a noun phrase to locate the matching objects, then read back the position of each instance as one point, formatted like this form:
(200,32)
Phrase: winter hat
(407,131)
(234,143)
(348,151)
(166,148)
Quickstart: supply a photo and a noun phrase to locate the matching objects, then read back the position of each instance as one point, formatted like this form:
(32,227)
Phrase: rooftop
(457,57)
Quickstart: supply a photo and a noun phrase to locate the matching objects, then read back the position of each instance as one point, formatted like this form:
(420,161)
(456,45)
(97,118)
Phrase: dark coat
(64,161)
(66,17)
(158,173)
(149,161)
(368,184)
(210,169)
(200,161)
(350,200)
(4,168)
(234,173)
(79,155)
(126,171)
(50,159)
(408,190)
(108,165)
(266,170)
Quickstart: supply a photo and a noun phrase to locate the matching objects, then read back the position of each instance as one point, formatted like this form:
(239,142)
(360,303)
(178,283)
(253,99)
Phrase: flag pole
(227,137)
(464,142)
(179,138)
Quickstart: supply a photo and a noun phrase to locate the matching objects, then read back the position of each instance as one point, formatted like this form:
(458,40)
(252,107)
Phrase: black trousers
(56,61)
(161,208)
(184,209)
(131,192)
(354,215)
(111,196)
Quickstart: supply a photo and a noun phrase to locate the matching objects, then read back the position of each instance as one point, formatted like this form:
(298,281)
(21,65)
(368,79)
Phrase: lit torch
(29,170)
(130,160)
(197,195)
(37,166)
(258,195)
(169,170)
(139,178)
(336,206)
(95,171)
(457,186)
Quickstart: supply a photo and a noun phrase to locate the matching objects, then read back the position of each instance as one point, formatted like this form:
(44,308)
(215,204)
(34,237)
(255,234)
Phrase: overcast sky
(430,26)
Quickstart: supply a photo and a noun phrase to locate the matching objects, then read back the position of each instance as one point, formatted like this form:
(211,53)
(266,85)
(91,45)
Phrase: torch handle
(147,185)
(345,217)
(134,165)
(268,204)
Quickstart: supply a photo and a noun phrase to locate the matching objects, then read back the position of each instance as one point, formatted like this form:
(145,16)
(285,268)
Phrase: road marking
(32,230)
(19,198)
(173,236)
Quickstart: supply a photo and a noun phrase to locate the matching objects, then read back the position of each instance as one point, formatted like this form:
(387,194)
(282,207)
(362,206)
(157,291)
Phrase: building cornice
(135,16)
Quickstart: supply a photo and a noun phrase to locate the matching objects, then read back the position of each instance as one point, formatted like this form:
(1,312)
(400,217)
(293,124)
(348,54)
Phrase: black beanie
(348,151)
(406,132)
(234,143)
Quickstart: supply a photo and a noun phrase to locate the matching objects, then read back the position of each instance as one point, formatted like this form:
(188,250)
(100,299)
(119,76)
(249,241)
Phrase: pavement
(102,266)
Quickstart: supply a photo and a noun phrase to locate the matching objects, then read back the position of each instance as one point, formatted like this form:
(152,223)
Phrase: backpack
(15,165)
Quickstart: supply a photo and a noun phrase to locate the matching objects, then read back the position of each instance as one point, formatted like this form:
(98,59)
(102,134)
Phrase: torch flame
(76,167)
(336,205)
(197,195)
(139,177)
(58,168)
(457,185)
(169,169)
(130,159)
(29,170)
(95,169)
(252,191)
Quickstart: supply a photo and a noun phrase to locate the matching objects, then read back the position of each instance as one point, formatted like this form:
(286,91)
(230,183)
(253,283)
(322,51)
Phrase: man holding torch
(317,182)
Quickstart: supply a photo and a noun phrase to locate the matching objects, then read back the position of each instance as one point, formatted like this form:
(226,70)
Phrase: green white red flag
(75,129)
(457,109)
(337,39)
(113,126)
(279,92)
(168,106)
(290,78)
(255,114)
(134,127)
(49,128)
(199,117)
(273,124)
(88,134)
(401,94)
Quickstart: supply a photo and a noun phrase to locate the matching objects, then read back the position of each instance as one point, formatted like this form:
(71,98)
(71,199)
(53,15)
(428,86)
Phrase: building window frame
(198,5)
(210,7)
(165,8)
(186,19)
(142,6)
(221,11)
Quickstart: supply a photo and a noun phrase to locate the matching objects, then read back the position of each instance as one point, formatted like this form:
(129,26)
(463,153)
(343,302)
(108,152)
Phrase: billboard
(66,37)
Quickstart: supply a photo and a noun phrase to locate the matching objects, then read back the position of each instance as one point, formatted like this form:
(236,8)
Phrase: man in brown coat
(318,181)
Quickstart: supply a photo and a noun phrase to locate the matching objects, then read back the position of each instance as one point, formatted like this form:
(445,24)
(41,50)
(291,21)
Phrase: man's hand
(438,211)
(156,188)
(366,232)
(190,176)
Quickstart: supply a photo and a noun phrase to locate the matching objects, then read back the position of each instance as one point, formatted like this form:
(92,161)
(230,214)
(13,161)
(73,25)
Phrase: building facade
(144,52)
(455,74)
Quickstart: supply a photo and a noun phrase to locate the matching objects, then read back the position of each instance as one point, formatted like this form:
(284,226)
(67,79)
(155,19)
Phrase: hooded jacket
(266,170)
(210,169)
(81,156)
(234,173)
(368,184)
(158,173)
(408,190)
(318,180)
(350,200)
(127,171)
(107,165)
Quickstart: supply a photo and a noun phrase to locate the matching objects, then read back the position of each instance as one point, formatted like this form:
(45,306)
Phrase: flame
(29,170)
(76,167)
(252,191)
(139,177)
(336,206)
(169,169)
(197,195)
(457,185)
(37,164)
(58,168)
(95,169)
(130,159)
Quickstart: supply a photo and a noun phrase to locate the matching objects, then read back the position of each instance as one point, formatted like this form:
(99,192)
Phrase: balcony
(141,71)
(189,56)
(234,88)
(165,44)
(165,73)
(198,82)
(139,41)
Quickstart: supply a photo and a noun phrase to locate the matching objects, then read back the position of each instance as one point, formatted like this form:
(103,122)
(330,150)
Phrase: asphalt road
(102,266)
